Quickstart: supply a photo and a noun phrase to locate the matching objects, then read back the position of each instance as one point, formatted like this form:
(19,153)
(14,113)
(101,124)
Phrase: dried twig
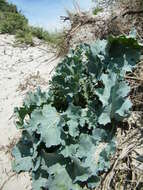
(4,183)
(108,178)
(132,12)
(76,28)
(134,78)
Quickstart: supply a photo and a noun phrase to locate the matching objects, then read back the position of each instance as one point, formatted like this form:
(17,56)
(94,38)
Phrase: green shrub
(40,33)
(69,138)
(7,7)
(58,40)
(24,37)
(12,22)
(97,10)
(55,39)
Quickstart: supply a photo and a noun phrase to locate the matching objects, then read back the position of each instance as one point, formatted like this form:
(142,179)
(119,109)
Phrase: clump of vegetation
(55,39)
(68,132)
(7,7)
(11,20)
(24,37)
(40,33)
(59,40)
(97,10)
(14,22)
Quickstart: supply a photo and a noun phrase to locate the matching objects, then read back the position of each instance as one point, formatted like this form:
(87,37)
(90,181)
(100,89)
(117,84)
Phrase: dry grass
(120,19)
(31,82)
(126,170)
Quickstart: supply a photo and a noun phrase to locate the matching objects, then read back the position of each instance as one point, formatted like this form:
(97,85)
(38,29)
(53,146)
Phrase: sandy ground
(21,69)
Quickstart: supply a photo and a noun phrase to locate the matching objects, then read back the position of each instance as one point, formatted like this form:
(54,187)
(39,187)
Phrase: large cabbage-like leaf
(59,179)
(36,99)
(23,153)
(46,123)
(113,95)
(38,184)
(95,153)
(31,102)
(73,116)
(124,52)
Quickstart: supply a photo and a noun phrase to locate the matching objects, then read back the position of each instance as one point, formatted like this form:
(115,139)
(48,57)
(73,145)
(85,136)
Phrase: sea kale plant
(68,132)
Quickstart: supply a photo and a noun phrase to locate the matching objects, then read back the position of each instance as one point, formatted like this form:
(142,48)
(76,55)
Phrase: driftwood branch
(134,78)
(132,12)
(129,13)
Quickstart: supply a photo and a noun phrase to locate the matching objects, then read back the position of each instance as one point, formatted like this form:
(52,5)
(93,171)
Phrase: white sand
(18,66)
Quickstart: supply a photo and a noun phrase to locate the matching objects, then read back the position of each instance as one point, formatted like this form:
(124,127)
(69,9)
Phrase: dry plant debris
(31,82)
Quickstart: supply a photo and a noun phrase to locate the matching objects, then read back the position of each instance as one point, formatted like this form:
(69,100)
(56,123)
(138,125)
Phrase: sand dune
(21,69)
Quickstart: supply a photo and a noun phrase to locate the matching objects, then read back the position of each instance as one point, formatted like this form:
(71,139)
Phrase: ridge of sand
(21,69)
